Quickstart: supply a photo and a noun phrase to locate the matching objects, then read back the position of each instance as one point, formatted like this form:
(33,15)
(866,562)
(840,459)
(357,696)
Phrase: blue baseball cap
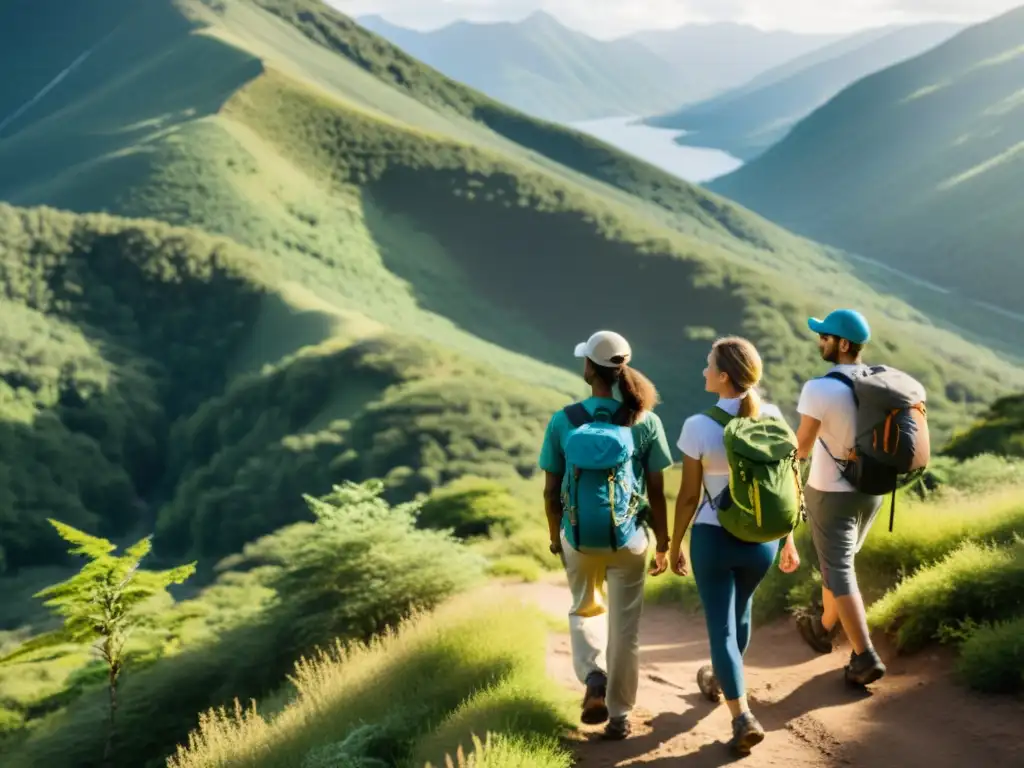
(845,323)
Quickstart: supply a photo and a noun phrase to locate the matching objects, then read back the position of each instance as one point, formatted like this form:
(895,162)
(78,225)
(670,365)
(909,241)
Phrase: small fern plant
(97,604)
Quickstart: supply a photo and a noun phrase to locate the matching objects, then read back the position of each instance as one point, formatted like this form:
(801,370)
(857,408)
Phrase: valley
(660,147)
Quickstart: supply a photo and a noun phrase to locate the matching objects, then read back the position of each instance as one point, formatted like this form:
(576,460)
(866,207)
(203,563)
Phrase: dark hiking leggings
(727,572)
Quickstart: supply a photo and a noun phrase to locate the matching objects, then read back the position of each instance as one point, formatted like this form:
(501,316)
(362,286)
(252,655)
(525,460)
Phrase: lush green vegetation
(748,120)
(992,657)
(100,354)
(99,604)
(410,697)
(320,261)
(972,584)
(1000,430)
(916,166)
(431,225)
(361,568)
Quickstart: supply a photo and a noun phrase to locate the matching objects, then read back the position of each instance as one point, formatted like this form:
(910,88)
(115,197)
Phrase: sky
(609,18)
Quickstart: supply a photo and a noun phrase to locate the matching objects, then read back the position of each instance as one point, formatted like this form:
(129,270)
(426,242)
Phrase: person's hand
(659,564)
(556,546)
(790,559)
(677,560)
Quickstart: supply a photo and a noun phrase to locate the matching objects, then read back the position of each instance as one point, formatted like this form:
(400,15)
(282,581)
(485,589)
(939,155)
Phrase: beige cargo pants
(604,621)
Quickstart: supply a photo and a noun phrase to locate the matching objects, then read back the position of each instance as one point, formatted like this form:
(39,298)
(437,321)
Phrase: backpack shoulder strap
(577,415)
(842,377)
(621,416)
(719,416)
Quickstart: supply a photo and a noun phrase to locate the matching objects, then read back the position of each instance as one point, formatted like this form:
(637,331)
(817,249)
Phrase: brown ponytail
(738,359)
(638,392)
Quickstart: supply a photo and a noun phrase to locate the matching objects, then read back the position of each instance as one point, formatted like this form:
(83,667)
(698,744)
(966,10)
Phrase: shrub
(973,584)
(471,668)
(99,604)
(352,574)
(992,658)
(472,506)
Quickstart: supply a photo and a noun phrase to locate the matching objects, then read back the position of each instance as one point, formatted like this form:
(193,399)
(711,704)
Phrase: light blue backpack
(600,498)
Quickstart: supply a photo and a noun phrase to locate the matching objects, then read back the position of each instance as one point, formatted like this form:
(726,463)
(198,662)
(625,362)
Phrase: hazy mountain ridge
(748,120)
(895,164)
(546,69)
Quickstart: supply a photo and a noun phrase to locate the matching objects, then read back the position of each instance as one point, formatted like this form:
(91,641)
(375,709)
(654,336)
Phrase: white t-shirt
(702,439)
(830,402)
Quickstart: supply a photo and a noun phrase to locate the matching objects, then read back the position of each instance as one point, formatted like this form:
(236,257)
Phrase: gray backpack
(892,438)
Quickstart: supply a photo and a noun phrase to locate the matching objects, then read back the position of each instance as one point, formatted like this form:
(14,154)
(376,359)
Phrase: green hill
(373,280)
(747,121)
(999,431)
(290,257)
(544,68)
(916,166)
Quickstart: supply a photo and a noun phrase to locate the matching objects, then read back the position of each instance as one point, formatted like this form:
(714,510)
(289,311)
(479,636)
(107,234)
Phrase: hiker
(602,456)
(839,515)
(727,568)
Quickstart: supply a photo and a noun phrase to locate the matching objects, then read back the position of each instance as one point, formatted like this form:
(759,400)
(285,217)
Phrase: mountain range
(745,121)
(289,254)
(251,252)
(917,166)
(546,69)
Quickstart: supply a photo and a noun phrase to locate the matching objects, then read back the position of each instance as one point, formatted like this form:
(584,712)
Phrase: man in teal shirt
(605,640)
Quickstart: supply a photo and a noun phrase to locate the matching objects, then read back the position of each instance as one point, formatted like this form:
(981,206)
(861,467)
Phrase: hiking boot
(708,684)
(814,633)
(865,668)
(595,710)
(617,729)
(746,733)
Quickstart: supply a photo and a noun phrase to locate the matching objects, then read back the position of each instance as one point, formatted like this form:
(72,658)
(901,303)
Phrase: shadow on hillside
(553,269)
(85,143)
(72,464)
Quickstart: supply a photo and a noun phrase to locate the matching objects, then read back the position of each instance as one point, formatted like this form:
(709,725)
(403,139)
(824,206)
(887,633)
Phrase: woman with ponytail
(727,570)
(606,638)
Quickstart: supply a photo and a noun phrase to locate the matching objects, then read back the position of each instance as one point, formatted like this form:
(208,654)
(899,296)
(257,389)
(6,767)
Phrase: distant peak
(542,18)
(375,23)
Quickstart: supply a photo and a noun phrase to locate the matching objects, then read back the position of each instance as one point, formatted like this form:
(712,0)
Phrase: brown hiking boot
(595,710)
(814,633)
(747,733)
(708,684)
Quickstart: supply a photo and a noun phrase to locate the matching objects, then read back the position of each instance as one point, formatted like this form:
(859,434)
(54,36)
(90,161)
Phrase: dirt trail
(916,716)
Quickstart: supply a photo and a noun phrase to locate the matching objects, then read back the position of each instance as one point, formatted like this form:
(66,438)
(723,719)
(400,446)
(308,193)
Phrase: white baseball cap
(605,348)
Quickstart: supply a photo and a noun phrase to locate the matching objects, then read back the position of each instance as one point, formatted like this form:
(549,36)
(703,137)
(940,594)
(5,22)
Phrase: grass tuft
(471,668)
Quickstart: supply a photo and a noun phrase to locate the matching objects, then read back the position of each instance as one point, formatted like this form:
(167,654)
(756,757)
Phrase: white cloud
(606,18)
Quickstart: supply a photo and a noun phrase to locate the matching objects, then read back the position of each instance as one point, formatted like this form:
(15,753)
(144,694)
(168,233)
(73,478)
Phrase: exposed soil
(916,716)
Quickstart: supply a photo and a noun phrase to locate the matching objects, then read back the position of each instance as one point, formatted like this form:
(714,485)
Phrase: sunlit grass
(414,694)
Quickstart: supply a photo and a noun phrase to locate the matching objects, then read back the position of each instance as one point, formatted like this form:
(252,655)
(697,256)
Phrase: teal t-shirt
(652,448)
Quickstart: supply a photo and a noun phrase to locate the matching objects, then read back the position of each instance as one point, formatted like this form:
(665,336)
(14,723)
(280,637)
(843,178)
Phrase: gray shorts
(839,525)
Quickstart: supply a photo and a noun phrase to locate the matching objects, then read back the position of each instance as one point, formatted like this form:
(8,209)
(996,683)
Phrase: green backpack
(764,500)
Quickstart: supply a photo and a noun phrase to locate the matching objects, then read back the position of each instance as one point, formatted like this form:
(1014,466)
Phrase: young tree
(97,604)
